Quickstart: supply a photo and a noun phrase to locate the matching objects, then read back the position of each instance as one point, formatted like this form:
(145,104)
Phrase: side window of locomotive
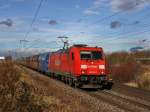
(96,55)
(72,55)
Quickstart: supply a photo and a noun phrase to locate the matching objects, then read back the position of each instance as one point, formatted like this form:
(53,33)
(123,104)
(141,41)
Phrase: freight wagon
(44,62)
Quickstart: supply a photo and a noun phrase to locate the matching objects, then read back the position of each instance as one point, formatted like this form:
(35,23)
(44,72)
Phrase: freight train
(79,66)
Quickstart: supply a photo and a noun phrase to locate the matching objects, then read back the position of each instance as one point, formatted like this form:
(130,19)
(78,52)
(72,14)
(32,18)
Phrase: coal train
(79,66)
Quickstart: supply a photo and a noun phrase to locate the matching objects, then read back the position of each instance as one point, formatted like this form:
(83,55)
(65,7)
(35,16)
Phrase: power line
(99,21)
(139,33)
(107,17)
(31,25)
(110,39)
(110,16)
(127,33)
(46,43)
(130,32)
(34,18)
(102,19)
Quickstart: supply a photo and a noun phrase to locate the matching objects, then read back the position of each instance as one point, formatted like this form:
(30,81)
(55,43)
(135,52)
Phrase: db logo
(57,62)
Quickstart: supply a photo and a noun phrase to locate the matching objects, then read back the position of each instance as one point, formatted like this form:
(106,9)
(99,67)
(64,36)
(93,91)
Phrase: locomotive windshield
(90,55)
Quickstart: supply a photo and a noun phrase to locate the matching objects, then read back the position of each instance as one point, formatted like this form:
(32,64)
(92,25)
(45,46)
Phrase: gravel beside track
(134,100)
(121,102)
(133,92)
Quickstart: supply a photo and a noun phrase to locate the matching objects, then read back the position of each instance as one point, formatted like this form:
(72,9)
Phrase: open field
(26,90)
(16,94)
(93,100)
(125,68)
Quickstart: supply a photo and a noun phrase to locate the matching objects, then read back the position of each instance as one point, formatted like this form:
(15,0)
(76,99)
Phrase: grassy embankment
(124,68)
(18,95)
(15,94)
(24,90)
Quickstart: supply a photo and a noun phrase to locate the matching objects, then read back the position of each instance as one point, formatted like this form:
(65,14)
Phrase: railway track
(135,101)
(132,92)
(122,101)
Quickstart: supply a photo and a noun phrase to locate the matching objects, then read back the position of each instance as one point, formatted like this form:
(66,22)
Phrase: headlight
(101,67)
(83,66)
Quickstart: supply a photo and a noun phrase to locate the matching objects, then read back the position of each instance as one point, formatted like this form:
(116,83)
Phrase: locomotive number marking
(92,66)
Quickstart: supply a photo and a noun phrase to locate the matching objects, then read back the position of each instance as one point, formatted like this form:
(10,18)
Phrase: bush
(125,72)
(122,66)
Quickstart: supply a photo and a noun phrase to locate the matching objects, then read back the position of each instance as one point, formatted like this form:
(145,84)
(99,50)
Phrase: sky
(112,24)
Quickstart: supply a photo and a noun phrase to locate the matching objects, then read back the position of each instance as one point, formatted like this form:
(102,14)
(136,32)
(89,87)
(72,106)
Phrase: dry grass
(62,98)
(143,80)
(57,99)
(19,92)
(17,95)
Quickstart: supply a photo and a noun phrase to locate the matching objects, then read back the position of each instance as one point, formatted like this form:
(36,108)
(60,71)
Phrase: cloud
(36,29)
(82,32)
(52,22)
(100,3)
(115,24)
(137,48)
(144,40)
(116,5)
(93,9)
(128,5)
(79,20)
(7,22)
(136,22)
(90,12)
(97,3)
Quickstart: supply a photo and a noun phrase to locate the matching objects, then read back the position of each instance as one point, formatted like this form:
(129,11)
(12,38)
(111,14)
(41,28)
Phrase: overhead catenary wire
(31,25)
(102,19)
(112,39)
(114,14)
(34,19)
(119,37)
(127,33)
(107,17)
(131,33)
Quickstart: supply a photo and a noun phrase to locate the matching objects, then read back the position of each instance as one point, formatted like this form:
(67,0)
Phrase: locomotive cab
(91,70)
(92,62)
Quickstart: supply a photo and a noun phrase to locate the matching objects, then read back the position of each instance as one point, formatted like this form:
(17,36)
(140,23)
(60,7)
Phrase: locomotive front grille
(92,78)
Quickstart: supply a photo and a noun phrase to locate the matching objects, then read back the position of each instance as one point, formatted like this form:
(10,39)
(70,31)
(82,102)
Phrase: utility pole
(23,45)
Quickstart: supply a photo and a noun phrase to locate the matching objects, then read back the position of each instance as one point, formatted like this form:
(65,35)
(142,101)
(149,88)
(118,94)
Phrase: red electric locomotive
(81,66)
